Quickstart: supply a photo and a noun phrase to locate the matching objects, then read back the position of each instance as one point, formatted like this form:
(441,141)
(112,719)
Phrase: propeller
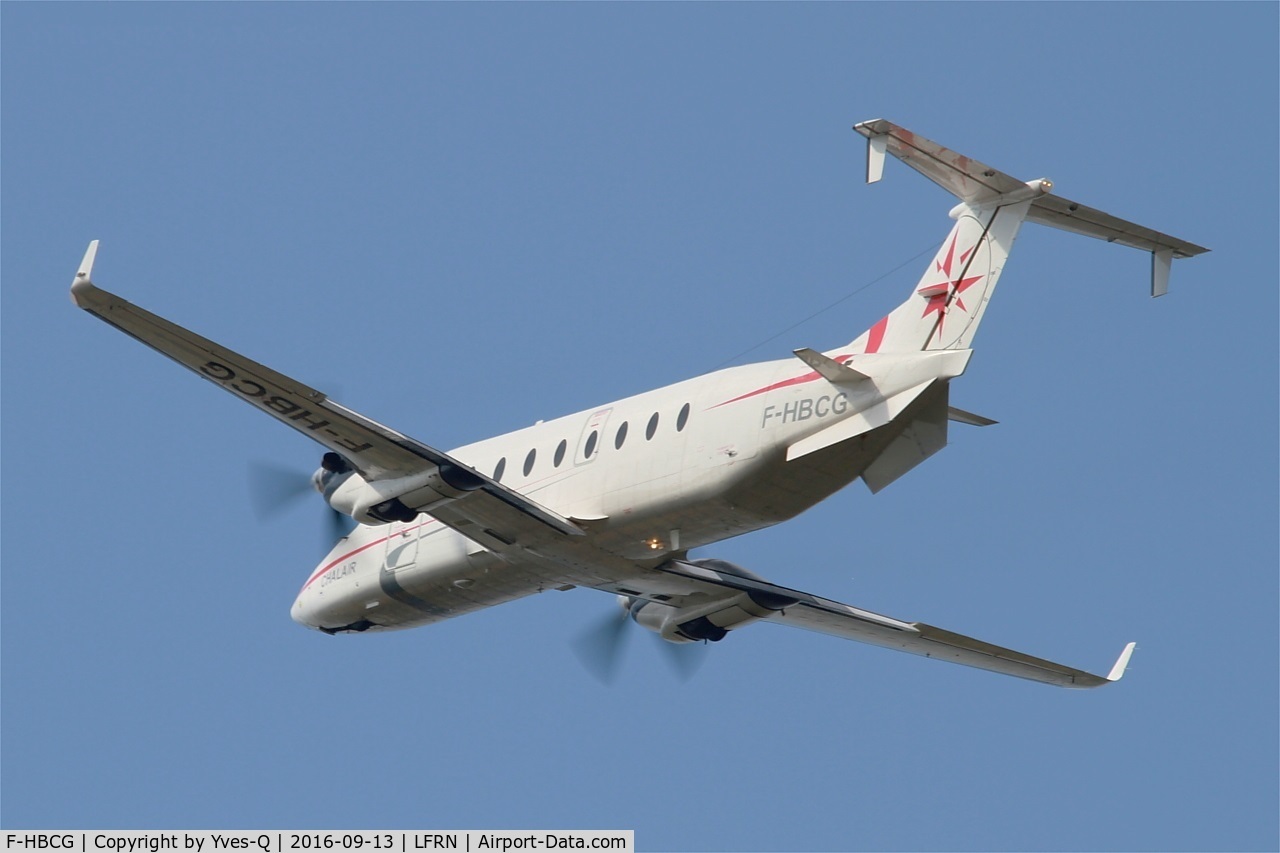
(600,648)
(685,659)
(339,525)
(274,488)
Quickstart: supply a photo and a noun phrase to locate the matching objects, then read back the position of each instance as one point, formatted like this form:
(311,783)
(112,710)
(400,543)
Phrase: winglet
(1122,663)
(83,274)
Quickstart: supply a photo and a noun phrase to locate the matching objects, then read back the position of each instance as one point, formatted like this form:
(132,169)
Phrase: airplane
(615,497)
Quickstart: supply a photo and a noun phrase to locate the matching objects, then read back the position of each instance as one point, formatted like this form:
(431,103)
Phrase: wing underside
(803,610)
(376,451)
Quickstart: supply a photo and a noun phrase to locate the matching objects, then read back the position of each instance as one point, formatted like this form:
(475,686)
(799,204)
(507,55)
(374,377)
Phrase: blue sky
(463,218)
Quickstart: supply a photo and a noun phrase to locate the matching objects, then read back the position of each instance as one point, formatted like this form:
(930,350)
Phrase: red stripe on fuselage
(319,573)
(527,487)
(786,383)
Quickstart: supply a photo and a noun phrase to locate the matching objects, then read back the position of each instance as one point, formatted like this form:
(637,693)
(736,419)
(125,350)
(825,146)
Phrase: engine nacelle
(664,620)
(708,622)
(398,499)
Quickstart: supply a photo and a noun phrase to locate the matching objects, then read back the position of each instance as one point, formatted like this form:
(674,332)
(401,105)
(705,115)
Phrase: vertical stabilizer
(947,304)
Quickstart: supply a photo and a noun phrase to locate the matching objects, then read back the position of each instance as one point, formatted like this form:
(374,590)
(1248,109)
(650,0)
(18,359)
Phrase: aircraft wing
(377,452)
(803,610)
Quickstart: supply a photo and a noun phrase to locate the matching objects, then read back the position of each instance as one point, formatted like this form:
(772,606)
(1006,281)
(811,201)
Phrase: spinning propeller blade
(339,525)
(274,488)
(599,647)
(685,659)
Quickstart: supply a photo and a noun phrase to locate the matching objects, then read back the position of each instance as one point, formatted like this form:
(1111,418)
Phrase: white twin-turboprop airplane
(614,497)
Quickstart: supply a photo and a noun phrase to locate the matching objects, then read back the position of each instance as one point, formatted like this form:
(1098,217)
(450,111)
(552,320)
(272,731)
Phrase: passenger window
(590,449)
(501,466)
(683,418)
(621,436)
(651,428)
(528,461)
(560,449)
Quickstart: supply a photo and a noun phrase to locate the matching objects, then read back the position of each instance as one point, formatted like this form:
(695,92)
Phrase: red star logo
(939,296)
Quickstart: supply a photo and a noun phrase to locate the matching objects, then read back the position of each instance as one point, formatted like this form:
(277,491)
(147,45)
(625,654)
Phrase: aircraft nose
(331,613)
(302,611)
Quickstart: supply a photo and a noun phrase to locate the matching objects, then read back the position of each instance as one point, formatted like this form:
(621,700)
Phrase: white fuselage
(649,476)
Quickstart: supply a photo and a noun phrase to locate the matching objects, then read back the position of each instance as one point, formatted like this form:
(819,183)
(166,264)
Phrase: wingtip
(1122,663)
(83,279)
(872,126)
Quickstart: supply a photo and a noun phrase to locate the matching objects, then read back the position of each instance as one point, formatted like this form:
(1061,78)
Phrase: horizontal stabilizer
(967,179)
(979,185)
(1068,215)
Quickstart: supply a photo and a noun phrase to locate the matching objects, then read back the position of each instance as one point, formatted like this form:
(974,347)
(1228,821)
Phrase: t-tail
(946,306)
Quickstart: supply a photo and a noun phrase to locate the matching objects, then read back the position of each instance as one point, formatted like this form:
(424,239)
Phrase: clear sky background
(463,218)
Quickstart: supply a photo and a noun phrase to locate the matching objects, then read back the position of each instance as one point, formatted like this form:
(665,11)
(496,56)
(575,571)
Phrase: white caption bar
(300,841)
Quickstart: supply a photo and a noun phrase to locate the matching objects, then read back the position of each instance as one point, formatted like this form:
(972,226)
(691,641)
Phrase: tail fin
(947,305)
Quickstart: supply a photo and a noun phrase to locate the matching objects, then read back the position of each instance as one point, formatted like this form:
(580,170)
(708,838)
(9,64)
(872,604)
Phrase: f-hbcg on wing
(375,451)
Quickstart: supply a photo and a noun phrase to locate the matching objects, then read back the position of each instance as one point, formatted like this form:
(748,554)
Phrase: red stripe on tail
(876,336)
